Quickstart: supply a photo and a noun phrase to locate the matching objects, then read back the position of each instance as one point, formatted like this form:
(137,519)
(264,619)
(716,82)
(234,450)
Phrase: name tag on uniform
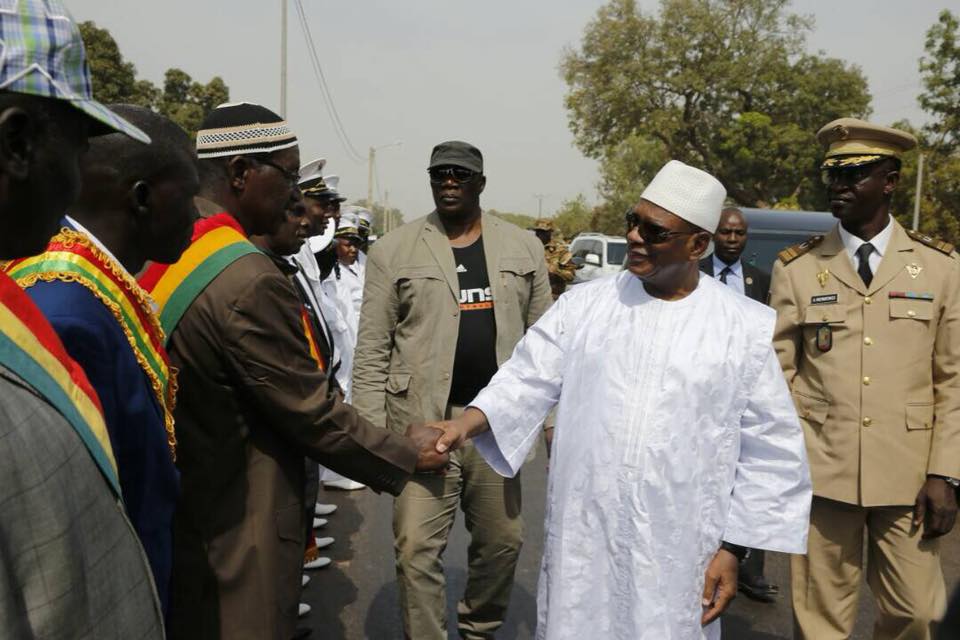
(911,295)
(827,298)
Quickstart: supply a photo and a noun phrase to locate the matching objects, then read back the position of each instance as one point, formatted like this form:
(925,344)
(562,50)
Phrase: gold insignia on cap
(853,137)
(914,269)
(841,132)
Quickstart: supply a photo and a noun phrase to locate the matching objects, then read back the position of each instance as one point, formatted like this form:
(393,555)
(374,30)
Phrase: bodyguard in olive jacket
(445,301)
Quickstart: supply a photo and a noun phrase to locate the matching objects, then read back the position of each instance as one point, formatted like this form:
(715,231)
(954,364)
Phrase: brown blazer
(410,316)
(251,405)
(880,407)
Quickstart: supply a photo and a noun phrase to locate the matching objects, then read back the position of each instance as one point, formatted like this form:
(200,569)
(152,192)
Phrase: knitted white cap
(687,192)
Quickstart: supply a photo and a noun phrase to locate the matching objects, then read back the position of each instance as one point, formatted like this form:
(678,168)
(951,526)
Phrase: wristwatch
(953,482)
(735,549)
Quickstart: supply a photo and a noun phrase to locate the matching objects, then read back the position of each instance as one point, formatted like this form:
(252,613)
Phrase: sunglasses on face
(439,175)
(847,175)
(293,177)
(650,232)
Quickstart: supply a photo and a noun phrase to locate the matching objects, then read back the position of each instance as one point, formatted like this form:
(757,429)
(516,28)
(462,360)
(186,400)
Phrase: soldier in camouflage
(559,261)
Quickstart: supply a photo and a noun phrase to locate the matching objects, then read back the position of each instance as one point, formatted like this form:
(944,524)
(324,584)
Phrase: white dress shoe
(303,609)
(304,580)
(324,542)
(319,563)
(324,509)
(344,483)
(319,522)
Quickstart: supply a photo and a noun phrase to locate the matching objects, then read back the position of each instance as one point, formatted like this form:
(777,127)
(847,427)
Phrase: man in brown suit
(445,301)
(868,335)
(253,403)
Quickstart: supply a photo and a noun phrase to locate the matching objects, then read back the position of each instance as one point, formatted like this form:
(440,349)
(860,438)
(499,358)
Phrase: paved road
(356,597)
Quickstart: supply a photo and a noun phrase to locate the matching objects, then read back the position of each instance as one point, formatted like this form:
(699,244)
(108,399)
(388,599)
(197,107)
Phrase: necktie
(863,266)
(724,273)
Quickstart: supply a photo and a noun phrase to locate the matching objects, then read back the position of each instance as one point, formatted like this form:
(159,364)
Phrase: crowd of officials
(188,329)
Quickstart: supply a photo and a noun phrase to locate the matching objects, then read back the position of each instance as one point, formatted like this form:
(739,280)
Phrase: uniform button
(866,380)
(868,341)
(867,422)
(911,313)
(806,413)
(824,318)
(867,300)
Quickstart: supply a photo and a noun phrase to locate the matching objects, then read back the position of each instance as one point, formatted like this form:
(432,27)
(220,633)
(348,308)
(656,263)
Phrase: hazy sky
(423,71)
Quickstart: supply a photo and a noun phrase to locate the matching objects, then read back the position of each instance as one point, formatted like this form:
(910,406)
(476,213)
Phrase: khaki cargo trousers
(423,515)
(903,572)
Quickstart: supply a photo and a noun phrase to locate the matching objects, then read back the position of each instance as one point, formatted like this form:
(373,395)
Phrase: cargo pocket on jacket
(813,410)
(517,273)
(397,401)
(919,416)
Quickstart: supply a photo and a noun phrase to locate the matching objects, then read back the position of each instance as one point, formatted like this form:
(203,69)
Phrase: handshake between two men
(435,440)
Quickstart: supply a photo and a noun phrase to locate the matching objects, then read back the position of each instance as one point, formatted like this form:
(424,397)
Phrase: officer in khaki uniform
(868,335)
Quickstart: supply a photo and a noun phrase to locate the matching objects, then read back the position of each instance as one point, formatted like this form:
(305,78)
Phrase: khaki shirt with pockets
(410,316)
(874,371)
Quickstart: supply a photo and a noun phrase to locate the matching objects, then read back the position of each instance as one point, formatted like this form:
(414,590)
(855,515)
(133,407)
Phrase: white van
(599,254)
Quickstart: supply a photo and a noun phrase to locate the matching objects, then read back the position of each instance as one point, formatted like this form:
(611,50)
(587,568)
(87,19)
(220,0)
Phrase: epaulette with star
(933,243)
(790,254)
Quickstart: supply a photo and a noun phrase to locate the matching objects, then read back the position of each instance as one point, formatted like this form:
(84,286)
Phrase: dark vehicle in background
(772,230)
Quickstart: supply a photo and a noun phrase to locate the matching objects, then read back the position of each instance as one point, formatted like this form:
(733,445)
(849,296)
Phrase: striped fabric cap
(43,55)
(241,128)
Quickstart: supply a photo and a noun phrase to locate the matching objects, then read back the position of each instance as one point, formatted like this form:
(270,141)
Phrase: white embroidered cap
(687,192)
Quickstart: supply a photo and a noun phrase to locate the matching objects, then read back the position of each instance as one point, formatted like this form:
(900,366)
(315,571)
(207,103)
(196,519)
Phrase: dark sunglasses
(847,175)
(439,175)
(650,232)
(293,177)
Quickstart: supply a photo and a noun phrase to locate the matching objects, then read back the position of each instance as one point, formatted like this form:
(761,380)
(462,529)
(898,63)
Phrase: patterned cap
(542,224)
(240,128)
(43,55)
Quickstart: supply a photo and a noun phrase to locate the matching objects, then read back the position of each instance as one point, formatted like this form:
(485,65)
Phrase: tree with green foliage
(939,140)
(182,99)
(573,217)
(724,85)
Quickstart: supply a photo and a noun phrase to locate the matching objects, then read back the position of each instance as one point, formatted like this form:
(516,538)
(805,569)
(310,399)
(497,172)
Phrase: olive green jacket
(410,316)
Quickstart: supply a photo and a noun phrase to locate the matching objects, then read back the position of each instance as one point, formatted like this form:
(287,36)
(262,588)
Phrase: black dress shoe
(759,590)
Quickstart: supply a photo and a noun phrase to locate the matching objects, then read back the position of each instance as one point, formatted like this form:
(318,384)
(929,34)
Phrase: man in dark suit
(725,265)
(728,244)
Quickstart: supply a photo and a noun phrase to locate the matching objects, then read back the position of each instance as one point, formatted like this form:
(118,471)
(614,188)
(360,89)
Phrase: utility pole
(916,195)
(370,160)
(283,58)
(539,197)
(387,222)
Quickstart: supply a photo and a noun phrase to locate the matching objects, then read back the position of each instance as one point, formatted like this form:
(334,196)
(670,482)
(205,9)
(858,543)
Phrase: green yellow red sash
(72,257)
(310,333)
(30,348)
(217,242)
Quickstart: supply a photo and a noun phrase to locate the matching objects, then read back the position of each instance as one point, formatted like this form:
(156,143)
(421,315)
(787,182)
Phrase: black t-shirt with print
(476,356)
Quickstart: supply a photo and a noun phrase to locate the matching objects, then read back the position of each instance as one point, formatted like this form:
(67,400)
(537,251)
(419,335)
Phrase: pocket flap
(813,410)
(828,313)
(398,382)
(416,272)
(914,309)
(520,265)
(920,416)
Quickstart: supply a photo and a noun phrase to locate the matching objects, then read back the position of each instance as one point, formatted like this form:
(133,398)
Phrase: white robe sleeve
(770,504)
(522,393)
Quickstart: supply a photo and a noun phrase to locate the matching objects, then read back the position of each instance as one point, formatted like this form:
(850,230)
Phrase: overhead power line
(325,92)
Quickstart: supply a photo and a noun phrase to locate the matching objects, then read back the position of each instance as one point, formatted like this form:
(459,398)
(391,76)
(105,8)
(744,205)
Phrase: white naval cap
(687,192)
